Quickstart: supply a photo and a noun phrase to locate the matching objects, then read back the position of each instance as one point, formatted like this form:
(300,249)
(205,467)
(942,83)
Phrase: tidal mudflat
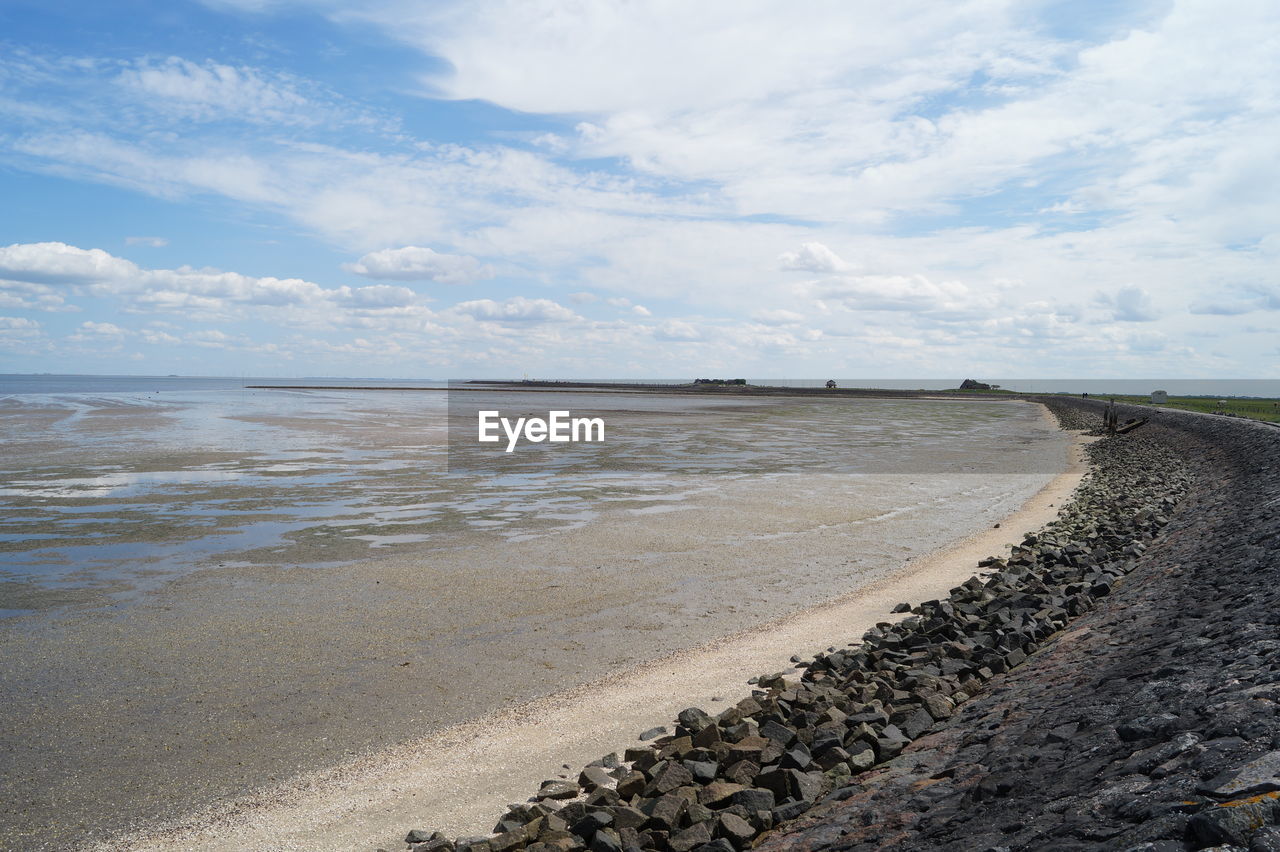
(209,596)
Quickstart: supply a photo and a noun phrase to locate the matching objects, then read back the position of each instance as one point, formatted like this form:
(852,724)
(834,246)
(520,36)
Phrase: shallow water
(113,492)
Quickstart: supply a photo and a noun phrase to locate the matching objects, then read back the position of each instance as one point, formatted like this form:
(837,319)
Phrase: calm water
(111,485)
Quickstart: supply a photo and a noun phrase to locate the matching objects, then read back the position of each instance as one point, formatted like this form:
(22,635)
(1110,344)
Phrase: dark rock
(1235,825)
(755,799)
(1261,775)
(606,840)
(419,835)
(693,836)
(1266,839)
(694,720)
(652,733)
(557,789)
(667,777)
(703,771)
(594,777)
(507,841)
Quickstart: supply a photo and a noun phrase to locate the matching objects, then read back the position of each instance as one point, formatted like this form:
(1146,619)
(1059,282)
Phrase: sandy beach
(459,778)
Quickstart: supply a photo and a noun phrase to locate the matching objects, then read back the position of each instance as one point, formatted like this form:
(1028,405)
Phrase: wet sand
(459,778)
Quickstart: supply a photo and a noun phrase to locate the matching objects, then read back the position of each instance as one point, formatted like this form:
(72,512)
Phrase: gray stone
(695,835)
(703,771)
(606,840)
(754,799)
(1261,775)
(652,733)
(736,830)
(693,719)
(632,784)
(666,777)
(1267,839)
(594,777)
(507,841)
(556,789)
(418,835)
(1234,825)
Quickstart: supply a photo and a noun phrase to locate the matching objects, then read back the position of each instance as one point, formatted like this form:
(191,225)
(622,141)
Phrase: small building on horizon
(1159,397)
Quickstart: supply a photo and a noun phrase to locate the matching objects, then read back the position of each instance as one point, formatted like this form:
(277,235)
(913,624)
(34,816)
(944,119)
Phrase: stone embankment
(1105,685)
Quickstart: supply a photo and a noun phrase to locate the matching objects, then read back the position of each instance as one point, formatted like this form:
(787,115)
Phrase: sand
(459,778)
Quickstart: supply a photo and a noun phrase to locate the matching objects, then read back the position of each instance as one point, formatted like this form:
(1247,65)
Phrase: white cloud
(27,295)
(198,293)
(777,317)
(1129,304)
(677,330)
(517,310)
(105,329)
(417,263)
(812,257)
(213,90)
(152,242)
(20,325)
(889,293)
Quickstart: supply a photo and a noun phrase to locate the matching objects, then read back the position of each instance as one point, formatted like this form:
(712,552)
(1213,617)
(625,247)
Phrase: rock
(791,810)
(703,771)
(1235,825)
(632,784)
(693,836)
(938,706)
(1144,727)
(507,841)
(1261,775)
(664,813)
(652,733)
(718,845)
(592,822)
(777,732)
(1267,839)
(917,723)
(472,844)
(736,830)
(439,844)
(743,772)
(667,777)
(719,793)
(754,799)
(419,835)
(797,757)
(905,607)
(594,777)
(694,719)
(606,840)
(557,789)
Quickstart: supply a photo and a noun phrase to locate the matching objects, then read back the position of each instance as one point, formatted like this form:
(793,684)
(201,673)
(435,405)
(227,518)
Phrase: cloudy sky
(640,188)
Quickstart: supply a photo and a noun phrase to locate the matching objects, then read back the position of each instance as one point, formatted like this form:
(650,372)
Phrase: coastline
(461,777)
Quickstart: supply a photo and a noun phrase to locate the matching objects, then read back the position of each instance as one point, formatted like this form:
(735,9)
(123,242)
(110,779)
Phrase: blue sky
(647,189)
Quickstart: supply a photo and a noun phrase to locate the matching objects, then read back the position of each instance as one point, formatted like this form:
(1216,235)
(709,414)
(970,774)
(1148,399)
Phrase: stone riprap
(1057,700)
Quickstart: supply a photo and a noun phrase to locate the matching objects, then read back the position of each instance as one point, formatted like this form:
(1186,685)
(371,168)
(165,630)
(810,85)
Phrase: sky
(640,188)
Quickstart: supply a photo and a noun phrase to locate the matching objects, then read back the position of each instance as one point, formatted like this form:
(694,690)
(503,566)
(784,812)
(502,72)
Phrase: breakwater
(855,750)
